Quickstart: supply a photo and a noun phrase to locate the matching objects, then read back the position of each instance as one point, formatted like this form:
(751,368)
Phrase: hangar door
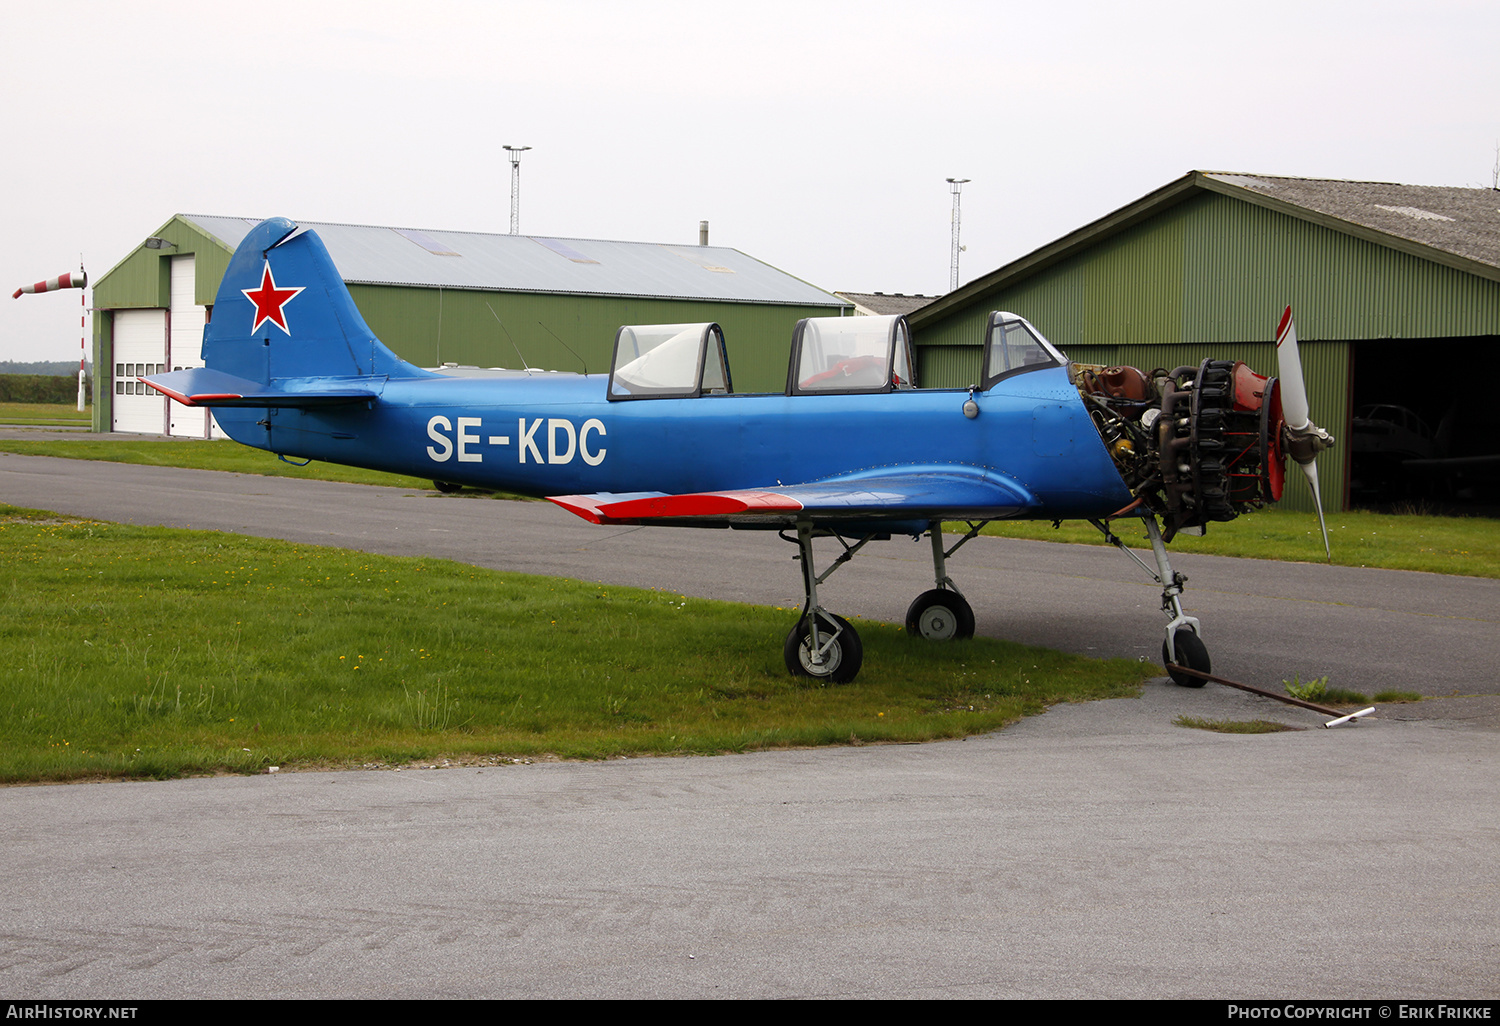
(186,325)
(140,347)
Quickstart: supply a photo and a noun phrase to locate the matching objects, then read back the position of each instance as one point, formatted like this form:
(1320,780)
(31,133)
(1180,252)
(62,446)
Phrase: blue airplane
(852,448)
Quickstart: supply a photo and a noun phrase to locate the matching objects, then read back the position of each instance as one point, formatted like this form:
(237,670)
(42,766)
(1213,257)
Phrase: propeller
(1304,439)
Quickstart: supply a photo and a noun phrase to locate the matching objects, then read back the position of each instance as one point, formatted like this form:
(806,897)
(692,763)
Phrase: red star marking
(269,300)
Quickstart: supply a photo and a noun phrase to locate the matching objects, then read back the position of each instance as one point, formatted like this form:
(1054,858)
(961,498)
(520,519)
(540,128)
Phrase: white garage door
(187,323)
(140,348)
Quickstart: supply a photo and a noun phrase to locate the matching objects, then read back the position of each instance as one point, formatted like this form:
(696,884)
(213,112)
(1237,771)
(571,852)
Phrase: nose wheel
(1191,652)
(1182,646)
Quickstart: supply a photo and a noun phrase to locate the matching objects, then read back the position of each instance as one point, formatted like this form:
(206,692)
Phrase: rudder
(283,311)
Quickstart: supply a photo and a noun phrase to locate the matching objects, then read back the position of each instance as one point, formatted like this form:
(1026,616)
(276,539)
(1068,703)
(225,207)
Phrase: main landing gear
(827,648)
(942,614)
(1184,643)
(822,646)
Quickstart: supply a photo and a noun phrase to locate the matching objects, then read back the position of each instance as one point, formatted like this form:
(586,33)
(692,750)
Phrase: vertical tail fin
(283,311)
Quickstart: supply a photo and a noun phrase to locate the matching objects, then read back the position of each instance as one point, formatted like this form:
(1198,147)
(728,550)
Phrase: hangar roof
(1456,227)
(886,303)
(1463,222)
(373,255)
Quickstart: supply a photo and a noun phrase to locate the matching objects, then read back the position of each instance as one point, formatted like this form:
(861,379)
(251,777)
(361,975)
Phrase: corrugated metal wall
(948,366)
(104,354)
(1208,277)
(1216,269)
(1243,262)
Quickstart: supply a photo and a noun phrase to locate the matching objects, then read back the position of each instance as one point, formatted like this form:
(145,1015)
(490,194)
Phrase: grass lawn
(154,652)
(45,414)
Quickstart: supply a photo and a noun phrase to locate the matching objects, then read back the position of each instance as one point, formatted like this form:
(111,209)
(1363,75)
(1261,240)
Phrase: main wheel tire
(1192,653)
(447,487)
(940,615)
(842,659)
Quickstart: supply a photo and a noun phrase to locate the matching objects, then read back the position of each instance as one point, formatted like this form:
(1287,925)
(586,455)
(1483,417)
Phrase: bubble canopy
(851,354)
(654,361)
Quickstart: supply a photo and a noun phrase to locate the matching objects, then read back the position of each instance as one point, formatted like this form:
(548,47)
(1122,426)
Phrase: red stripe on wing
(598,509)
(701,504)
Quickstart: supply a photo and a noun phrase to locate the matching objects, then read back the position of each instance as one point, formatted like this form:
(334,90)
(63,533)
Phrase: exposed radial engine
(1195,444)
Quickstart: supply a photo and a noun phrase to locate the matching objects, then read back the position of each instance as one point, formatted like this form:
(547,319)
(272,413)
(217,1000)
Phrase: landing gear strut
(942,614)
(1184,642)
(822,646)
(825,647)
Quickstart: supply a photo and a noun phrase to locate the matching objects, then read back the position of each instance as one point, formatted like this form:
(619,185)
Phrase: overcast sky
(815,136)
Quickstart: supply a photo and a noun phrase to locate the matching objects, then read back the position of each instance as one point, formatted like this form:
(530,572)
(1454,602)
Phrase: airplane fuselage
(555,434)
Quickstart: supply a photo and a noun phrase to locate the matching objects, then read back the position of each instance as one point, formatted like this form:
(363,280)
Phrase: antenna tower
(515,187)
(954,185)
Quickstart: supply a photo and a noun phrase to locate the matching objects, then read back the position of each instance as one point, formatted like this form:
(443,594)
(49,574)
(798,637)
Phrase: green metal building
(440,297)
(1395,289)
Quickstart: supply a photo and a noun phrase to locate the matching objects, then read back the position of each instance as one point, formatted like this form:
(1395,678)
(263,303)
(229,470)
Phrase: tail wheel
(940,615)
(1192,653)
(447,487)
(842,651)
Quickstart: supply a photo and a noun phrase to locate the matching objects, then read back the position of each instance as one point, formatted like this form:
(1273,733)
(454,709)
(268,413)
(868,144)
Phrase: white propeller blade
(1311,470)
(1307,439)
(1289,366)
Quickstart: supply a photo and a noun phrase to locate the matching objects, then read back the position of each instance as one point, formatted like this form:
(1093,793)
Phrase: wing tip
(585,506)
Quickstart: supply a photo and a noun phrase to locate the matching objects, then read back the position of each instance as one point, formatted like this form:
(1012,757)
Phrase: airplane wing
(914,493)
(200,386)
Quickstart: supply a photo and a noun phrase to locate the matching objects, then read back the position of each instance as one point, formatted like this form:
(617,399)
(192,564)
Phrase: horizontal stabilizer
(201,386)
(915,494)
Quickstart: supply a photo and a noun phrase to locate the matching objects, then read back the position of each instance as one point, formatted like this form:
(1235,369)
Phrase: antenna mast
(954,185)
(515,187)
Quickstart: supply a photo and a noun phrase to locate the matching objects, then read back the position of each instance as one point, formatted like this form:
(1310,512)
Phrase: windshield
(1013,345)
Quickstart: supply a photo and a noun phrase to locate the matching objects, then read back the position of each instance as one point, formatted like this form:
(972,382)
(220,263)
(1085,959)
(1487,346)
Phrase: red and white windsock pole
(78,281)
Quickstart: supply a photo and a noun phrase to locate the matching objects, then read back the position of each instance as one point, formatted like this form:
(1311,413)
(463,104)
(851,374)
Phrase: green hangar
(442,297)
(1395,290)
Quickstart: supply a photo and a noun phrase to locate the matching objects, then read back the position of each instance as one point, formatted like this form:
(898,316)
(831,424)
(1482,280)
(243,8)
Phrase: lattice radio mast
(955,185)
(515,187)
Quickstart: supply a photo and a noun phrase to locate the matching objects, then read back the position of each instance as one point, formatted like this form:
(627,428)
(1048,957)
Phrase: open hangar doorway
(1420,434)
